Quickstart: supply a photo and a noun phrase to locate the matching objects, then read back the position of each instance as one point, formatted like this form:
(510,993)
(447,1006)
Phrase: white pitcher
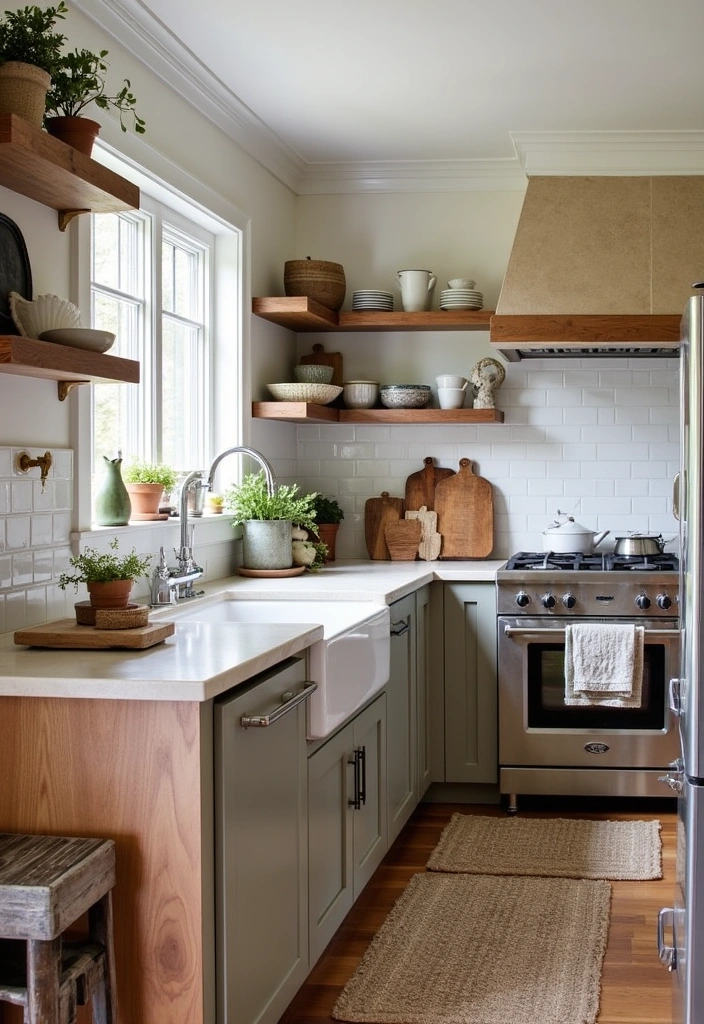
(416,287)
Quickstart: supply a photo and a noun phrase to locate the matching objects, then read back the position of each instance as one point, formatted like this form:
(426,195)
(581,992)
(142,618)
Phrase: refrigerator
(681,926)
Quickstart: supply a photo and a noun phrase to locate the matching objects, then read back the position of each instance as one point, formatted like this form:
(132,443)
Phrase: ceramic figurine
(487,376)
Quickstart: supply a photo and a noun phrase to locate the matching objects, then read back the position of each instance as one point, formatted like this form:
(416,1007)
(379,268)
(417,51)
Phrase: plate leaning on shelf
(320,394)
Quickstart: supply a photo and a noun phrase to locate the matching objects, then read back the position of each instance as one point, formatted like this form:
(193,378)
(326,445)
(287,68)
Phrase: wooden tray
(67,633)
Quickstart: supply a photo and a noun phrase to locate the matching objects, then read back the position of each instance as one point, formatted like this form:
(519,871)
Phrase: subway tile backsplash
(35,527)
(595,437)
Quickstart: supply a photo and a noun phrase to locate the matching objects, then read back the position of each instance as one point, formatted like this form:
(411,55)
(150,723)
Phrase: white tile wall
(598,437)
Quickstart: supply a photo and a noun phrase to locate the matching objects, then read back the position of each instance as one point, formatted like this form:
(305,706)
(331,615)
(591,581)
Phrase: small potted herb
(328,516)
(266,520)
(146,482)
(30,50)
(108,576)
(77,81)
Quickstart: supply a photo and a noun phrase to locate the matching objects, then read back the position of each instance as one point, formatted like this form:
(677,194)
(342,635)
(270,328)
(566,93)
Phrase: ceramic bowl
(360,394)
(312,373)
(450,380)
(321,394)
(80,337)
(405,396)
(461,282)
(451,398)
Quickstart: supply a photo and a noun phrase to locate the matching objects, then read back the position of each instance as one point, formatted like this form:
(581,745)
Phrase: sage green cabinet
(471,693)
(424,653)
(261,849)
(347,820)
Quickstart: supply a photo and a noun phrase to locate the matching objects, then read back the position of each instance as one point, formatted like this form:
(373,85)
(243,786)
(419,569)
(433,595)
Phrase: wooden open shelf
(307,412)
(300,313)
(68,366)
(45,169)
(517,336)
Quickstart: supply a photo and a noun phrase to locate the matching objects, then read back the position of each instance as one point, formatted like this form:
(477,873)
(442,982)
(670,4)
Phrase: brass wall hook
(25,463)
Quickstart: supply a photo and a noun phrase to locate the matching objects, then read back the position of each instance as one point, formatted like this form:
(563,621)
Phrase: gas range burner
(575,561)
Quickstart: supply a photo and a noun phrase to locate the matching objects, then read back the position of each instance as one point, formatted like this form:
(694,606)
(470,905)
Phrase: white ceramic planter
(266,544)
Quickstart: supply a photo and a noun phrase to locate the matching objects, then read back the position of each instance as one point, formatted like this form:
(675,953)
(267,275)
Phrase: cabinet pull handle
(676,497)
(289,701)
(363,775)
(401,627)
(356,760)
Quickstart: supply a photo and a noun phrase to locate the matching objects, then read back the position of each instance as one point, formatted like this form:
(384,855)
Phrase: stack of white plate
(370,298)
(461,298)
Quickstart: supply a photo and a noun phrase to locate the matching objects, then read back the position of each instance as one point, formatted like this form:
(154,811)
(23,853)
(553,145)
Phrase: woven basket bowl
(23,89)
(317,279)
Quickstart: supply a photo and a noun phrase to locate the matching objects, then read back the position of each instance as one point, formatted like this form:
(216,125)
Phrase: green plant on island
(27,36)
(327,510)
(149,473)
(251,500)
(93,566)
(78,79)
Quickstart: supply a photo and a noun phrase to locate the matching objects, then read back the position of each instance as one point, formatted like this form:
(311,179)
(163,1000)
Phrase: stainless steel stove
(547,746)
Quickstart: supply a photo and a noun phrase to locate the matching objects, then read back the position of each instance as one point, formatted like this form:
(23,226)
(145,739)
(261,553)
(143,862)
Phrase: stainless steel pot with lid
(639,544)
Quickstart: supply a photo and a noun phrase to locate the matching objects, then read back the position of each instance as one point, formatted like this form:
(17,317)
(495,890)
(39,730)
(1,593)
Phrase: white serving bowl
(80,337)
(461,282)
(360,394)
(321,394)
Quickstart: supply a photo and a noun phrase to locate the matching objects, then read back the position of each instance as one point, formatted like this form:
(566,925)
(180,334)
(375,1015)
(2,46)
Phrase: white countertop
(202,660)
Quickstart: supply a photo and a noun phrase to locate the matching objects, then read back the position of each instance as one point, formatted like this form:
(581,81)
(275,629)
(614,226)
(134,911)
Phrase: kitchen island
(120,744)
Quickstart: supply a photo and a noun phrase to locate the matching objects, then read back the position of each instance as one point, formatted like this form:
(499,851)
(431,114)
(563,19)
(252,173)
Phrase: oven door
(537,728)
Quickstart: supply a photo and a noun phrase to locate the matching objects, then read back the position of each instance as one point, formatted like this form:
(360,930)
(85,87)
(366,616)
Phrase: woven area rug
(551,847)
(479,949)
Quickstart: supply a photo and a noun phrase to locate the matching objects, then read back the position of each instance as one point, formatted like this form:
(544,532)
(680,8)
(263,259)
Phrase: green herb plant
(92,566)
(78,79)
(149,473)
(327,510)
(27,36)
(251,500)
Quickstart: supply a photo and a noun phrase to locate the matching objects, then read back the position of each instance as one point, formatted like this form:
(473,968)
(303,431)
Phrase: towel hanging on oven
(604,665)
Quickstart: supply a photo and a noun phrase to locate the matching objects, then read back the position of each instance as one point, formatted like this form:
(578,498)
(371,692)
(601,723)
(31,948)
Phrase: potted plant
(77,81)
(267,520)
(328,516)
(29,53)
(146,483)
(108,576)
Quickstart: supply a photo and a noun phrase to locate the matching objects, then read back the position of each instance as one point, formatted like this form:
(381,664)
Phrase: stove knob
(547,601)
(664,601)
(569,600)
(643,601)
(522,599)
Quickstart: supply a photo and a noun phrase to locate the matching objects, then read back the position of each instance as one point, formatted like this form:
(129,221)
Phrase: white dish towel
(604,665)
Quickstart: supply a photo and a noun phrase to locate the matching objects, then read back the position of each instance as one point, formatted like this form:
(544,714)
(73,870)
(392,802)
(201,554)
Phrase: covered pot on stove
(567,536)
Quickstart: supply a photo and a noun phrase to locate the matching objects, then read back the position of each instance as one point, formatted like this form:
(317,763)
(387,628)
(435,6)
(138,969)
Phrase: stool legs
(43,974)
(100,930)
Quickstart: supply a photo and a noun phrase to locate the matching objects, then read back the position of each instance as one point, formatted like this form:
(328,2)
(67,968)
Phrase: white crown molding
(617,153)
(413,176)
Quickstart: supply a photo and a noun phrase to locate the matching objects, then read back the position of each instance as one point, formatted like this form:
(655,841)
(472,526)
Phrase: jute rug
(479,949)
(551,847)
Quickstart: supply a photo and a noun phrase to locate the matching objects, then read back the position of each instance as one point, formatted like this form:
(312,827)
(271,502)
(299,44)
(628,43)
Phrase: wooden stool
(46,884)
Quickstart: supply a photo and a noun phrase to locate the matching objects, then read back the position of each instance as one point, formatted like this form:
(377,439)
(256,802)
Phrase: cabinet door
(330,835)
(370,841)
(471,748)
(261,851)
(423,676)
(401,716)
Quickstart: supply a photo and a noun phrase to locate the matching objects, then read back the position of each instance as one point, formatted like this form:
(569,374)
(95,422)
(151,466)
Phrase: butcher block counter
(119,744)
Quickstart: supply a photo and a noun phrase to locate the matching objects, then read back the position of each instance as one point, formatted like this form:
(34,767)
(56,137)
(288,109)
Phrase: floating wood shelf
(300,313)
(307,412)
(68,366)
(519,336)
(43,168)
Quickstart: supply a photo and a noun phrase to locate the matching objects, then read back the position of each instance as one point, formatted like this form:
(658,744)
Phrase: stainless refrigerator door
(691,486)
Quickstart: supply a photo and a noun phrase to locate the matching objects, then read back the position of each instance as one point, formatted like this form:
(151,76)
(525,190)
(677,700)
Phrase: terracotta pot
(327,533)
(113,594)
(78,132)
(145,500)
(23,89)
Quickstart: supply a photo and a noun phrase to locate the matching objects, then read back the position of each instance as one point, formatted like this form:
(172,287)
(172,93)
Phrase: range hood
(601,266)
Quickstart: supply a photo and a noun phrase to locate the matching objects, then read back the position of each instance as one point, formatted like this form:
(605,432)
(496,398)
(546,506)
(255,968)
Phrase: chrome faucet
(175,583)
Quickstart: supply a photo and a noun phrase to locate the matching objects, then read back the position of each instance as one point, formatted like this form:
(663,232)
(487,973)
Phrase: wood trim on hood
(525,336)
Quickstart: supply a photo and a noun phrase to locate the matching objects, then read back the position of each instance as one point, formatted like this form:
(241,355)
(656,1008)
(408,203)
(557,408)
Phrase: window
(151,284)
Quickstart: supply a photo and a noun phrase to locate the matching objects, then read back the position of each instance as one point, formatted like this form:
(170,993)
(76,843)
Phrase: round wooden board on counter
(272,573)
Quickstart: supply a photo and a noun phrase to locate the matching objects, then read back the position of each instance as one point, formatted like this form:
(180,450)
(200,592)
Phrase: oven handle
(656,634)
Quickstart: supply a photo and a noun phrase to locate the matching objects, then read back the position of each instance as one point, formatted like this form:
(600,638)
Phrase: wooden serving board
(465,507)
(402,539)
(420,486)
(320,357)
(377,513)
(67,633)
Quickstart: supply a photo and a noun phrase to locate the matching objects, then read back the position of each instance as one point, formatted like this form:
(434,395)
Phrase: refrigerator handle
(667,954)
(676,497)
(676,695)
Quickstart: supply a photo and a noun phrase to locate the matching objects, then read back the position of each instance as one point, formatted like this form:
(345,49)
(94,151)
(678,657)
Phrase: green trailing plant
(79,79)
(327,510)
(93,566)
(149,473)
(27,35)
(251,500)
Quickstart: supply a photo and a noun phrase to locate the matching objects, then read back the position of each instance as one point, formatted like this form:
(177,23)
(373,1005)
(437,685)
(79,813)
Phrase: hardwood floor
(635,986)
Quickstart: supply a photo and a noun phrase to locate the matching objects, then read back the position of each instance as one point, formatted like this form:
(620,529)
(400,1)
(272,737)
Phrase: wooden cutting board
(68,634)
(420,486)
(402,539)
(465,507)
(322,358)
(378,512)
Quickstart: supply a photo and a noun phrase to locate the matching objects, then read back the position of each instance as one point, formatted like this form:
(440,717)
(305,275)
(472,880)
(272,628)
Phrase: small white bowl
(461,282)
(451,380)
(451,398)
(360,394)
(312,373)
